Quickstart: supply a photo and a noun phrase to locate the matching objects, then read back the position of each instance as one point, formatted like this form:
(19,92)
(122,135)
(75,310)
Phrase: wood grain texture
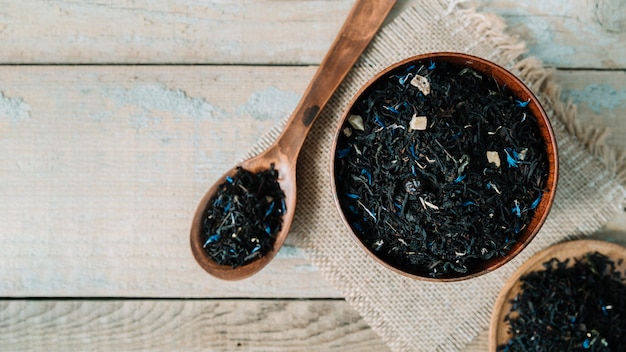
(161,31)
(600,98)
(103,167)
(183,325)
(567,33)
(564,33)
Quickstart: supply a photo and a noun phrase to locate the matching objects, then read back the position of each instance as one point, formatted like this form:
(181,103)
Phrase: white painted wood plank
(161,31)
(600,98)
(102,168)
(179,325)
(563,33)
(567,33)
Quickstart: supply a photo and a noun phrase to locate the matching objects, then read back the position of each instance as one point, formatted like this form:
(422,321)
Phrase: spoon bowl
(359,28)
(287,182)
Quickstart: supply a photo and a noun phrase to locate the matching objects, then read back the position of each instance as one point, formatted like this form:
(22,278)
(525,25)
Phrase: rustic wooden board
(564,33)
(567,33)
(102,168)
(183,325)
(600,98)
(161,31)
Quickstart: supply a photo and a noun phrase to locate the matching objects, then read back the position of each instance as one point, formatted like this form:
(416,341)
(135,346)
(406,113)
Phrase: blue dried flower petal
(352,195)
(368,175)
(536,202)
(229,179)
(342,153)
(469,202)
(391,109)
(268,229)
(603,307)
(255,249)
(211,239)
(586,344)
(379,121)
(516,210)
(432,65)
(270,209)
(412,150)
(404,105)
(460,178)
(522,104)
(511,157)
(227,207)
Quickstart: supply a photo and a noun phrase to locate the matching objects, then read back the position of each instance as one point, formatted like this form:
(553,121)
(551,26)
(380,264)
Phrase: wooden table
(115,116)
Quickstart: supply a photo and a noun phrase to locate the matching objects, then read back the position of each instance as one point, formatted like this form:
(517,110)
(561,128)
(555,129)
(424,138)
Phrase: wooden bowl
(498,329)
(504,79)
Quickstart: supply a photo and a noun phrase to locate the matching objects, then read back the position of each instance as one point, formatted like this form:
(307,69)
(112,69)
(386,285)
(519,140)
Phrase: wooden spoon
(362,23)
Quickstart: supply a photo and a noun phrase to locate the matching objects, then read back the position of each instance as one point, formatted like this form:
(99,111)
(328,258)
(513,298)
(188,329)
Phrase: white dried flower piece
(418,123)
(494,158)
(347,131)
(427,204)
(421,83)
(494,132)
(395,126)
(522,154)
(378,245)
(357,122)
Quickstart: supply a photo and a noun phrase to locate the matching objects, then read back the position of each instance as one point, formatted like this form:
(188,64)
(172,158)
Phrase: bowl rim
(519,90)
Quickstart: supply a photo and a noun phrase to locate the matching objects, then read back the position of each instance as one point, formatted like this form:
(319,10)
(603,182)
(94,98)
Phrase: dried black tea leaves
(438,168)
(244,217)
(570,308)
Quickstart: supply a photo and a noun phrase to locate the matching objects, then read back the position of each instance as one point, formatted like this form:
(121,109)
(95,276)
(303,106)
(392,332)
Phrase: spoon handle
(364,20)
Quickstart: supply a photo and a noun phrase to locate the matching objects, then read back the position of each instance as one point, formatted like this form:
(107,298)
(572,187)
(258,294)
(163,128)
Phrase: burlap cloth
(411,315)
